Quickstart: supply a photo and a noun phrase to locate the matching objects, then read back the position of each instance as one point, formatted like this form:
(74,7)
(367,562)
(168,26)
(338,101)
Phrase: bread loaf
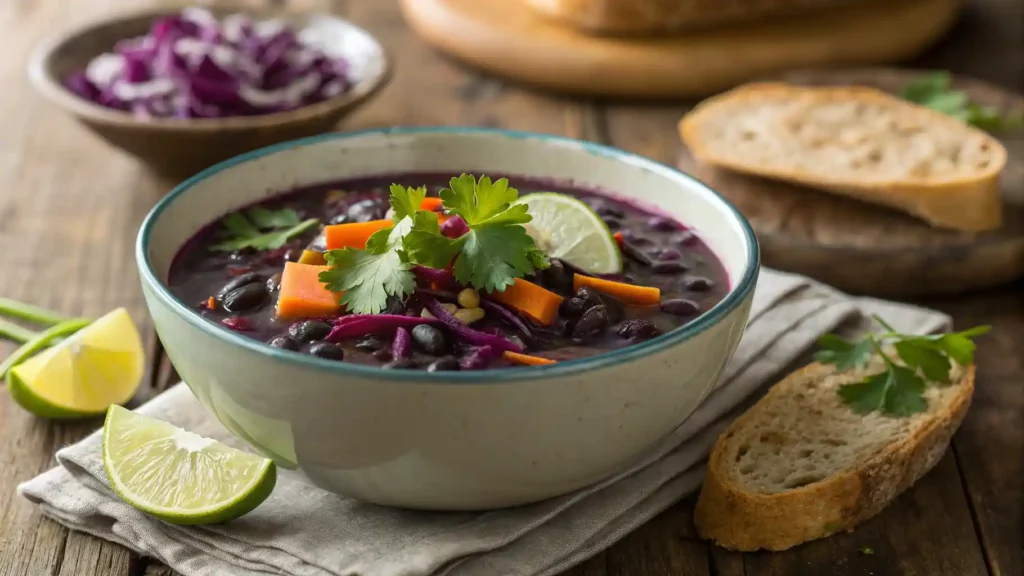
(859,142)
(801,464)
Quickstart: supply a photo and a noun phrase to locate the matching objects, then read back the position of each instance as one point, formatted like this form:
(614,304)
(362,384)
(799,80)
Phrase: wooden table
(70,207)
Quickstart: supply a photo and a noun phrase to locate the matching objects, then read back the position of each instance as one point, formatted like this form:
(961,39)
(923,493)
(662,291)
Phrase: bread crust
(963,203)
(738,519)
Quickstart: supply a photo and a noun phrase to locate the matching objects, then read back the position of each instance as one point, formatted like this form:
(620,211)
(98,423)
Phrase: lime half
(100,365)
(566,228)
(178,476)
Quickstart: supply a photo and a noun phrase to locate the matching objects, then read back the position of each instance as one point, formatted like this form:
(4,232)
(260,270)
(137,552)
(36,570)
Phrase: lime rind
(567,228)
(151,467)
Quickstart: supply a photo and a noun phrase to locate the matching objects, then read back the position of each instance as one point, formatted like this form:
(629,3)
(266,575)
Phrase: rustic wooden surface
(70,207)
(859,247)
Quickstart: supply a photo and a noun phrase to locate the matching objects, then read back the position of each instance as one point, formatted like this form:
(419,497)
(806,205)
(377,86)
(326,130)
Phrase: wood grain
(862,248)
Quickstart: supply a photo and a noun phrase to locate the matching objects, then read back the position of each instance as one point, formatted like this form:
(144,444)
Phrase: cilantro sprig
(261,229)
(933,91)
(367,277)
(490,256)
(899,389)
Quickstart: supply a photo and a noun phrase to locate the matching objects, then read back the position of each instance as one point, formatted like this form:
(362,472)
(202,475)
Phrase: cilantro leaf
(845,355)
(895,392)
(493,257)
(933,91)
(406,201)
(367,279)
(425,244)
(248,229)
(477,202)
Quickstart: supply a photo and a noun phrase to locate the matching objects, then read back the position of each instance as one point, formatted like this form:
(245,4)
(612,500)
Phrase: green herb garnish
(933,91)
(261,229)
(899,389)
(494,252)
(367,277)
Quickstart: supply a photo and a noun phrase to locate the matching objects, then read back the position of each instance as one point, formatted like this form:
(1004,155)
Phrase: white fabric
(304,531)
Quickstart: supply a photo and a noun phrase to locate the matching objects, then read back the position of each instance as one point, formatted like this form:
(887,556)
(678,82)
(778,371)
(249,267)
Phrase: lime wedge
(100,365)
(181,477)
(564,227)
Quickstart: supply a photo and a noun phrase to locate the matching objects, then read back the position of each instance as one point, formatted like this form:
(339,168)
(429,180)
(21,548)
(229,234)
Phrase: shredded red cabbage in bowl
(192,65)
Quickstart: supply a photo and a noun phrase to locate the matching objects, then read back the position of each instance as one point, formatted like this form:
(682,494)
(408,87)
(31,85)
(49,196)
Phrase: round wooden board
(866,249)
(506,38)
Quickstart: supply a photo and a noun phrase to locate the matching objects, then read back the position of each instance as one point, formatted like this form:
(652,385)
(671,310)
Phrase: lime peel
(566,228)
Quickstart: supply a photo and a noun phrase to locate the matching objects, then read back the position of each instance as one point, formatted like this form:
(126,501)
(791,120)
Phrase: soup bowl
(448,440)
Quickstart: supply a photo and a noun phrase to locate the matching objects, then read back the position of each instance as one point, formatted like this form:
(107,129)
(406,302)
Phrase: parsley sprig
(899,389)
(261,229)
(933,91)
(491,255)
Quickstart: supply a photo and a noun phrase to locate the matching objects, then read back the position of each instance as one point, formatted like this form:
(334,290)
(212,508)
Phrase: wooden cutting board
(865,249)
(507,38)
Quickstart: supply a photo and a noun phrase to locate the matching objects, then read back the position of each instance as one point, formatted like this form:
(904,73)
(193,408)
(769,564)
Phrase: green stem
(883,323)
(14,332)
(29,312)
(42,339)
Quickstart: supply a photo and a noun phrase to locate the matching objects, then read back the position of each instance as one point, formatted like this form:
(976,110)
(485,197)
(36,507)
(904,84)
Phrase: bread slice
(855,141)
(801,465)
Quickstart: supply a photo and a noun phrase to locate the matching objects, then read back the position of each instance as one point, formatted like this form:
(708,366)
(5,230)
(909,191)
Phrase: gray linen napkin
(303,531)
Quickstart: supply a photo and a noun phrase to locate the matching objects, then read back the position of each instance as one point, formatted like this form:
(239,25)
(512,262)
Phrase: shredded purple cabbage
(506,315)
(402,346)
(478,359)
(366,324)
(442,278)
(192,65)
(465,333)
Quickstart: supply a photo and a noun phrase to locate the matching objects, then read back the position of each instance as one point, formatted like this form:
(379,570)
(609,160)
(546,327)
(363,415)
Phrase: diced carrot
(211,303)
(353,234)
(526,359)
(303,295)
(618,238)
(537,303)
(312,257)
(628,293)
(432,204)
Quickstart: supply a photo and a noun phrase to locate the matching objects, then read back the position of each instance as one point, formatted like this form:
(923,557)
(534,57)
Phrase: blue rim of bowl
(736,296)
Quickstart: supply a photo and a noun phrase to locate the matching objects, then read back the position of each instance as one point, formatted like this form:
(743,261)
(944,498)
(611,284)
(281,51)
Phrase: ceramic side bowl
(456,440)
(176,147)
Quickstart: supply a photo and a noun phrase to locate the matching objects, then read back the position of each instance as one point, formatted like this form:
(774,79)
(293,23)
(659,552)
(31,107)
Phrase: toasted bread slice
(801,465)
(855,141)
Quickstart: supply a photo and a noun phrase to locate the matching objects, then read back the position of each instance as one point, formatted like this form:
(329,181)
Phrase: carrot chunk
(619,239)
(353,234)
(432,204)
(537,303)
(526,359)
(628,293)
(303,295)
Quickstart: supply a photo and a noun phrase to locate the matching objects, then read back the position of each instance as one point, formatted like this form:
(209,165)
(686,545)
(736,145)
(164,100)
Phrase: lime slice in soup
(100,365)
(178,476)
(564,227)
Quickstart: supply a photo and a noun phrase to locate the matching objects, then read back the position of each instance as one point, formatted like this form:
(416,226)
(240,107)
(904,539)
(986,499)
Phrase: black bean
(591,324)
(612,222)
(328,350)
(590,296)
(284,343)
(248,297)
(382,355)
(556,277)
(609,210)
(634,253)
(662,224)
(429,339)
(401,364)
(699,284)
(238,282)
(443,365)
(638,330)
(339,219)
(680,307)
(370,344)
(573,307)
(274,283)
(309,330)
(669,267)
(366,210)
(293,255)
(669,254)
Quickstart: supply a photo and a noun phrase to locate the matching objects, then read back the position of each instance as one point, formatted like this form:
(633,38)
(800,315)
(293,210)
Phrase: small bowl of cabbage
(183,89)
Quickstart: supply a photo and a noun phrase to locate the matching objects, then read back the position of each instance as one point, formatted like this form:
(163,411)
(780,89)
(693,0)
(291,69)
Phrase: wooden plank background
(70,207)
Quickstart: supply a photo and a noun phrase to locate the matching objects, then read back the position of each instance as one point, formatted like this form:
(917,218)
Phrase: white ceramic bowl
(462,440)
